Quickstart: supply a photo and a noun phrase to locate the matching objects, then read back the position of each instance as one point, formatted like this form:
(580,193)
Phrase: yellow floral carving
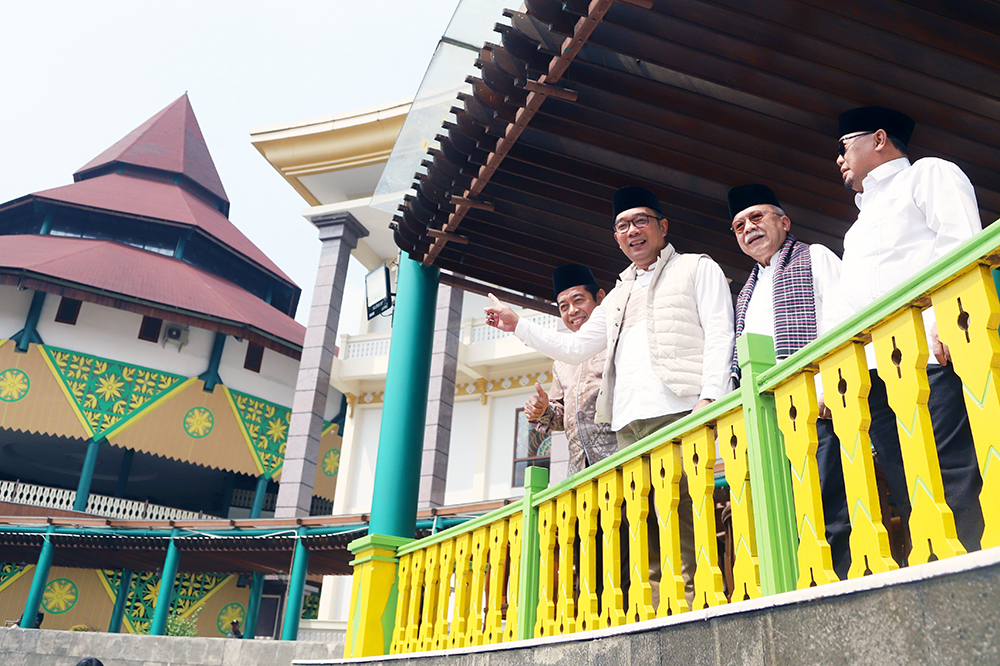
(109,387)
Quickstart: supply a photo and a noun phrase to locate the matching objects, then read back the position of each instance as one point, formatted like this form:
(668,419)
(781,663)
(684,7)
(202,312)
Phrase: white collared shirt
(910,216)
(639,393)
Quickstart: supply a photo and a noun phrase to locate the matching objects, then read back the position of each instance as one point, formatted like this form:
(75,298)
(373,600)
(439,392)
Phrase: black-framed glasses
(639,222)
(841,148)
(756,217)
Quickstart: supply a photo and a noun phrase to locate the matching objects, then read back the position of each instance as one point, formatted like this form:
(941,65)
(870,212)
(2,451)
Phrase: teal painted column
(770,477)
(258,497)
(118,614)
(41,578)
(87,475)
(404,407)
(536,479)
(123,471)
(211,375)
(29,333)
(253,606)
(296,590)
(166,593)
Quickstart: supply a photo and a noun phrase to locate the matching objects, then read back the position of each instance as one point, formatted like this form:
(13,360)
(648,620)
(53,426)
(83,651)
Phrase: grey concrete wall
(945,613)
(42,647)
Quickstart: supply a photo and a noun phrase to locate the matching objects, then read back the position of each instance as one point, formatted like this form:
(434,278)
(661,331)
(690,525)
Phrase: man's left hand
(938,348)
(704,402)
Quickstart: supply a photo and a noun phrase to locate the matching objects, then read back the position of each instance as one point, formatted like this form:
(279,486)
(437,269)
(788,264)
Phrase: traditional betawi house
(148,357)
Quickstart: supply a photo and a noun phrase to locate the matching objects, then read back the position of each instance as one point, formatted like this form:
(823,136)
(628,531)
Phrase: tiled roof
(172,141)
(148,277)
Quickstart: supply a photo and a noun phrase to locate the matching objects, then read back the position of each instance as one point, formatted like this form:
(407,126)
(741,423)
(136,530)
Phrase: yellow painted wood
(493,632)
(546,615)
(797,409)
(429,613)
(968,313)
(514,525)
(732,438)
(698,451)
(901,354)
(446,568)
(665,476)
(565,620)
(609,501)
(372,590)
(474,629)
(415,615)
(403,599)
(846,384)
(636,484)
(463,590)
(587,615)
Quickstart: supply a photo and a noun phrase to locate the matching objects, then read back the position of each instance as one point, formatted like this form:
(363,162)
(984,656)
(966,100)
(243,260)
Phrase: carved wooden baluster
(399,632)
(586,511)
(413,621)
(968,313)
(546,615)
(565,621)
(665,476)
(474,630)
(446,566)
(609,500)
(733,447)
(498,570)
(797,409)
(901,353)
(513,592)
(463,591)
(636,484)
(698,451)
(846,384)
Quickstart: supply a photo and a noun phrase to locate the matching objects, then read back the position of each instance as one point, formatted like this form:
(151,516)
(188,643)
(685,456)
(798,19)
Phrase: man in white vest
(668,329)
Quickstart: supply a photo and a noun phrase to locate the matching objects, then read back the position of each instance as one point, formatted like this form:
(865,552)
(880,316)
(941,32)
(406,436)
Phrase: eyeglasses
(842,148)
(639,222)
(756,217)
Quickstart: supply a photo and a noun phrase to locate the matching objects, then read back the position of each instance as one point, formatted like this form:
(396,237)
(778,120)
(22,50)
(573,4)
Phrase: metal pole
(253,606)
(166,593)
(296,590)
(404,410)
(28,619)
(118,614)
(86,475)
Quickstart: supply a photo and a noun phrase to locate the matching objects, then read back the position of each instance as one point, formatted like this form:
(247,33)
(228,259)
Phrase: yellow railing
(604,548)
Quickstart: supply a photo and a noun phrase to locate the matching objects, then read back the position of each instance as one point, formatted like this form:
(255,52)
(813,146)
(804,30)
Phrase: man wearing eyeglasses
(909,216)
(668,329)
(789,289)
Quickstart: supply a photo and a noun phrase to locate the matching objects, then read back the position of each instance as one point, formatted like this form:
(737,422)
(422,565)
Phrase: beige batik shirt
(573,408)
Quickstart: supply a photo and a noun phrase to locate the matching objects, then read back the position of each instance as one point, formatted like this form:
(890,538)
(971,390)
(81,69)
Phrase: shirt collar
(650,270)
(877,176)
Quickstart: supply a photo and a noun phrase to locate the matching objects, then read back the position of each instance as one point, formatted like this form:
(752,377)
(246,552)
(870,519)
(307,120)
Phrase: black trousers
(956,451)
(831,485)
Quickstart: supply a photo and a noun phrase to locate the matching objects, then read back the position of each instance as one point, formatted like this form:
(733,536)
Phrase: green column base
(373,595)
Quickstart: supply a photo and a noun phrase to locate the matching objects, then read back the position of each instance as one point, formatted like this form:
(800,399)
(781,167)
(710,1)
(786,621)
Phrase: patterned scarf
(794,300)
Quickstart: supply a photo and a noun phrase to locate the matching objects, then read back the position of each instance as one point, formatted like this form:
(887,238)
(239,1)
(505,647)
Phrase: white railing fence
(17,492)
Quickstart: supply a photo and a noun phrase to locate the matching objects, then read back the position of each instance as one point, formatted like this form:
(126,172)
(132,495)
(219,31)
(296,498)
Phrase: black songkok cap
(634,197)
(744,196)
(873,118)
(571,275)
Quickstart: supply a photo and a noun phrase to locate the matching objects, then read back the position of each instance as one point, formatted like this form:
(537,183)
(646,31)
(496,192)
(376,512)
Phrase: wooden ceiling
(689,98)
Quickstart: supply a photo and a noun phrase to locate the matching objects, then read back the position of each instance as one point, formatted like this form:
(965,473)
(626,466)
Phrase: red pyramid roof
(171,141)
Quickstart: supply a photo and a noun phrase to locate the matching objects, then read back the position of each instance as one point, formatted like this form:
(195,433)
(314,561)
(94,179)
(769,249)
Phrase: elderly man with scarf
(784,298)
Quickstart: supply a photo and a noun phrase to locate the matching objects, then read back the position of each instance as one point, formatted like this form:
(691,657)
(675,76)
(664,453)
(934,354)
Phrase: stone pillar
(340,233)
(440,397)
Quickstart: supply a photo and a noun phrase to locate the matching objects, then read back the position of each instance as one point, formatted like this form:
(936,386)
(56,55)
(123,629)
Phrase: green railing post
(253,606)
(166,593)
(118,614)
(87,475)
(773,505)
(536,479)
(38,582)
(296,589)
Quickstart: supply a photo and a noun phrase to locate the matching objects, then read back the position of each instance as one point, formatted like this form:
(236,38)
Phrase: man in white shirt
(910,215)
(789,288)
(668,329)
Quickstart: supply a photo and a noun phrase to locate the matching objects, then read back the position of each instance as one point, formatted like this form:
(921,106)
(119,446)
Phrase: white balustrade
(367,348)
(98,505)
(485,333)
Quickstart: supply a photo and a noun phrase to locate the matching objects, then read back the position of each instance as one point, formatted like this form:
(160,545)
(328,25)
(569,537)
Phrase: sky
(80,75)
